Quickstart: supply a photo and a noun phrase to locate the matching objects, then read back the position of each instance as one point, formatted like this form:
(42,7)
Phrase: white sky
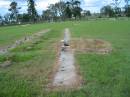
(92,5)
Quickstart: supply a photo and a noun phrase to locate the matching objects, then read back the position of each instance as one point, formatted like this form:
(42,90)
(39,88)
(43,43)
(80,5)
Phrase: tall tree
(76,9)
(53,10)
(117,10)
(61,6)
(31,10)
(68,12)
(14,11)
(127,8)
(57,9)
(23,17)
(86,13)
(48,15)
(1,20)
(107,11)
(7,18)
(73,7)
(0,17)
(127,11)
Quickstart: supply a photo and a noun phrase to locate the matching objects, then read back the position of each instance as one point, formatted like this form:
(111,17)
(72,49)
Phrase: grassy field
(103,75)
(9,34)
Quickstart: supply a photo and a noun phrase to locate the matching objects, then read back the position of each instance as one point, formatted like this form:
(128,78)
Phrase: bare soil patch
(91,45)
(65,75)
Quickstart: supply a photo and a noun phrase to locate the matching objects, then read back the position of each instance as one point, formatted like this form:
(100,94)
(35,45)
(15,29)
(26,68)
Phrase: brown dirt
(74,84)
(50,87)
(91,45)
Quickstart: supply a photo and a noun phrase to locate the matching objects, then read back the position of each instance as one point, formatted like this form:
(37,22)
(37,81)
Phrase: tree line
(60,11)
(114,10)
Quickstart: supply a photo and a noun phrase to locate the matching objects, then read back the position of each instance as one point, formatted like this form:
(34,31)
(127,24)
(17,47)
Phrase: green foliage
(12,87)
(107,11)
(127,10)
(73,9)
(14,12)
(105,75)
(24,17)
(31,10)
(68,12)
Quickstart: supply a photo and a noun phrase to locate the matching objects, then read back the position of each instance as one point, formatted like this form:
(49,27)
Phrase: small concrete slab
(66,76)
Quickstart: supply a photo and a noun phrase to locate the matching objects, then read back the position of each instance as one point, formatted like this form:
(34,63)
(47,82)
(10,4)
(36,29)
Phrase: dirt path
(23,40)
(66,76)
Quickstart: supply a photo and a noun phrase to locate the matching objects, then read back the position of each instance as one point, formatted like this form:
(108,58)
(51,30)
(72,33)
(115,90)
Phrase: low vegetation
(103,75)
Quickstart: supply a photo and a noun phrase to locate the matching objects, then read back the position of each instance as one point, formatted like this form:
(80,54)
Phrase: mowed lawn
(9,34)
(103,75)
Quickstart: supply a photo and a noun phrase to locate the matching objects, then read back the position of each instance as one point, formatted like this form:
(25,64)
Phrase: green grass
(103,75)
(106,75)
(9,34)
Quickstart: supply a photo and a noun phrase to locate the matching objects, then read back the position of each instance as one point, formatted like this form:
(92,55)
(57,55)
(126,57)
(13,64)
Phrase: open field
(104,75)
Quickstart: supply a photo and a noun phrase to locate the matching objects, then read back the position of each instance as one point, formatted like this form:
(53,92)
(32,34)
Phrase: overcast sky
(92,5)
